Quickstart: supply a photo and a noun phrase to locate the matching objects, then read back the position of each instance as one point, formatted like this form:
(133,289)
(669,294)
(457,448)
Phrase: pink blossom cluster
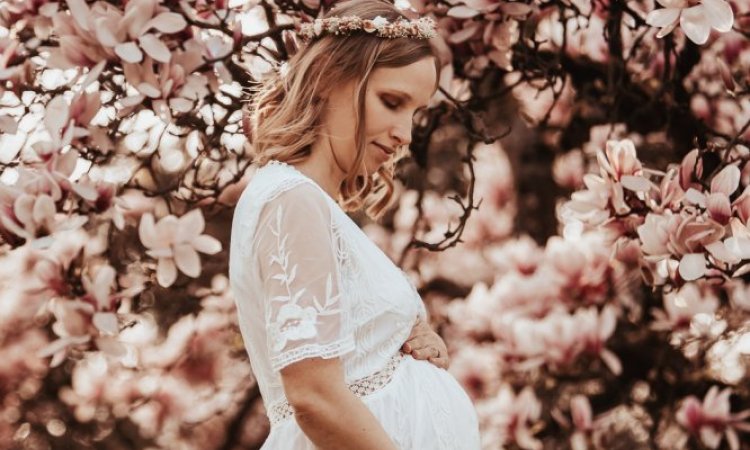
(712,420)
(552,309)
(161,382)
(552,313)
(690,225)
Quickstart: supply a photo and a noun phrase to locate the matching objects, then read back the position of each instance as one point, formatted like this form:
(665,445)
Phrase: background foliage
(575,213)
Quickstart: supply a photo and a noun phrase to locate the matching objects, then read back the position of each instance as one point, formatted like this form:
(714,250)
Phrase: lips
(387,150)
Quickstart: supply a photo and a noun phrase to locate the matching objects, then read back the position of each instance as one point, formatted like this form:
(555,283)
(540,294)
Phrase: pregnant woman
(335,332)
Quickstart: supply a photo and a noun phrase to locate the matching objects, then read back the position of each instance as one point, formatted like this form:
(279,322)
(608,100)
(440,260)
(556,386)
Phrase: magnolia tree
(588,268)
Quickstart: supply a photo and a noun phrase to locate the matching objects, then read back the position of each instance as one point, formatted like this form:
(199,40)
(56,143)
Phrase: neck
(321,168)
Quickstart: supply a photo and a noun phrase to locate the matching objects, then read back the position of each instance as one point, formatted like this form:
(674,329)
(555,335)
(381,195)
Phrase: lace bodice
(309,283)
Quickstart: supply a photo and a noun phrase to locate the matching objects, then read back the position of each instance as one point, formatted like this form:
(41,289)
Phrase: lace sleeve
(305,313)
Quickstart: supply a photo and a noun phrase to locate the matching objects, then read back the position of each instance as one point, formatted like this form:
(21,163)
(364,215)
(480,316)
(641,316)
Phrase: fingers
(425,353)
(417,342)
(442,362)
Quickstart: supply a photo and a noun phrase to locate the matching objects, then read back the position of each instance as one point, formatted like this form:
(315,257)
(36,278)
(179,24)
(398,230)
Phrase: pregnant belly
(424,407)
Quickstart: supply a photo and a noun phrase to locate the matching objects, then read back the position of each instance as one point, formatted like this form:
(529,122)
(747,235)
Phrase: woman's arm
(329,414)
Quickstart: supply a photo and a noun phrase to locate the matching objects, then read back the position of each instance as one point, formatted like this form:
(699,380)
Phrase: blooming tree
(588,270)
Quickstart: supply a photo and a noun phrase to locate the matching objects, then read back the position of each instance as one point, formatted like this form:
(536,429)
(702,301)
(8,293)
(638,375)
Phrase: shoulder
(277,186)
(270,181)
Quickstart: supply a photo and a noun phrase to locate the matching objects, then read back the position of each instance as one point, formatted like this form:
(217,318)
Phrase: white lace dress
(309,283)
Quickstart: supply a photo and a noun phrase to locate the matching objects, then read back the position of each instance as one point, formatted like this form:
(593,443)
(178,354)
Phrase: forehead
(417,80)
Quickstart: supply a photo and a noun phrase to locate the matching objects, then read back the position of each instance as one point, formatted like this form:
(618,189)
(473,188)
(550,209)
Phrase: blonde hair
(286,111)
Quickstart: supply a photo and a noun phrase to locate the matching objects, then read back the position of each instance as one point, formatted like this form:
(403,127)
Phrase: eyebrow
(401,93)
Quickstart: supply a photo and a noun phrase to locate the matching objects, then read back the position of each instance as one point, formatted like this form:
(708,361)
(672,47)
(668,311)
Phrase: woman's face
(392,98)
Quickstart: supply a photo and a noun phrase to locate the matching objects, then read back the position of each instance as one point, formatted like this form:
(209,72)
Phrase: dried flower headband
(422,28)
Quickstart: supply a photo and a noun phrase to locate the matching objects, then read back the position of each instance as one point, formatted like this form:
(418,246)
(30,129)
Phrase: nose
(401,134)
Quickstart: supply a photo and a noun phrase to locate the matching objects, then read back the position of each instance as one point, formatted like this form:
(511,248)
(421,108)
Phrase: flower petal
(104,30)
(129,52)
(166,229)
(739,246)
(636,183)
(666,30)
(187,260)
(56,115)
(207,244)
(44,208)
(191,225)
(166,272)
(147,231)
(719,208)
(718,14)
(148,90)
(106,323)
(612,361)
(692,266)
(663,17)
(80,12)
(720,251)
(23,208)
(167,22)
(155,48)
(693,22)
(727,181)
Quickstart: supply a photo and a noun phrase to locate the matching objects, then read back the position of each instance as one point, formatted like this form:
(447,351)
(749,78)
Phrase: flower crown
(422,28)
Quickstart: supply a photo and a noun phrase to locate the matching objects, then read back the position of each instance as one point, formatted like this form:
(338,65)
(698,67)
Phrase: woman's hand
(423,343)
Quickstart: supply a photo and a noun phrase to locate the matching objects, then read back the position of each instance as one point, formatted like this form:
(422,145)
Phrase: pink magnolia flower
(693,235)
(168,85)
(582,268)
(594,329)
(586,331)
(568,169)
(619,159)
(492,38)
(175,242)
(581,422)
(99,294)
(72,326)
(522,341)
(522,255)
(477,368)
(654,234)
(591,205)
(711,420)
(686,237)
(61,119)
(681,306)
(494,185)
(34,218)
(691,169)
(670,193)
(509,417)
(103,32)
(716,201)
(696,18)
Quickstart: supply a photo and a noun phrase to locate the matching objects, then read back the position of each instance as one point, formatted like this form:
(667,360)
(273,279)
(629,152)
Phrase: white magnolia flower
(696,20)
(175,243)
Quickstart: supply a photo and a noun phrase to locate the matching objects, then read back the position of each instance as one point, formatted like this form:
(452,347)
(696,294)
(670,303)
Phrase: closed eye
(390,104)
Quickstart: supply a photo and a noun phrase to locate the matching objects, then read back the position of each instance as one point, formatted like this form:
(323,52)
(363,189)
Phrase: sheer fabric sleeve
(306,314)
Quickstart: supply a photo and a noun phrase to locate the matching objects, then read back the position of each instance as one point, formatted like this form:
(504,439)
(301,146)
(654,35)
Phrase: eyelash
(390,105)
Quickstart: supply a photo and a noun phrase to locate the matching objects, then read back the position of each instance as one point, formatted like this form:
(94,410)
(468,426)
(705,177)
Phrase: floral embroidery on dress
(293,322)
